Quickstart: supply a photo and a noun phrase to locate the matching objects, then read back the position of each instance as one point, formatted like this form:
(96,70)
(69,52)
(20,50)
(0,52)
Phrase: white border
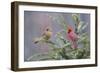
(23,64)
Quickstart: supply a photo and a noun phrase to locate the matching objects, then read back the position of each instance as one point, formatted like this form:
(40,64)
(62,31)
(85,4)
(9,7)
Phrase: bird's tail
(37,40)
(74,45)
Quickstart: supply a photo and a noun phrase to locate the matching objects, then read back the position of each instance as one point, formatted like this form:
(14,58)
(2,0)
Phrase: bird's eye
(47,29)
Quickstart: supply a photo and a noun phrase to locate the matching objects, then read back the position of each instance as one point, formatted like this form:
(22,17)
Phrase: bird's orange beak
(69,29)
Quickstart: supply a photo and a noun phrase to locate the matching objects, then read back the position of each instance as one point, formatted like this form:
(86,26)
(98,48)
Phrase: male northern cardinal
(72,37)
(45,36)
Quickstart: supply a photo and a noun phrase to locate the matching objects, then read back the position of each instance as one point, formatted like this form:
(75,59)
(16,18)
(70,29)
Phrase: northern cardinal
(72,37)
(45,36)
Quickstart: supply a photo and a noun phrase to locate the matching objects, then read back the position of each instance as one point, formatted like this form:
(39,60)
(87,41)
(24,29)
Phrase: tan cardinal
(45,36)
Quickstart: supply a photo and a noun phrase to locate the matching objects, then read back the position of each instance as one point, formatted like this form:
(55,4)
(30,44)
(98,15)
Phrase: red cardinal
(72,37)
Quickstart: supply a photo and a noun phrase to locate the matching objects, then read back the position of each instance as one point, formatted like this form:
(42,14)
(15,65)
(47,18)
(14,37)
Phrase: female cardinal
(72,37)
(45,36)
